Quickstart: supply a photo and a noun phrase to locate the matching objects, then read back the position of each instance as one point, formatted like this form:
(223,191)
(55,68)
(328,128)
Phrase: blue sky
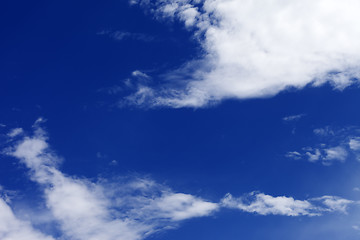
(167,119)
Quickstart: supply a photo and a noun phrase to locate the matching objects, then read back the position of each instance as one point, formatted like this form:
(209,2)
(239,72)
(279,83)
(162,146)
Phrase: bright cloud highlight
(257,49)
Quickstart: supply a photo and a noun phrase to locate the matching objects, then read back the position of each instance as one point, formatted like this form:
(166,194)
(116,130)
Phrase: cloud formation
(354,143)
(12,228)
(15,132)
(253,49)
(122,35)
(293,117)
(263,204)
(336,145)
(96,210)
(125,208)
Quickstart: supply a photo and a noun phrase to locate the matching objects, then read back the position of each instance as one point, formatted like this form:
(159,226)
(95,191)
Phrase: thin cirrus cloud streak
(15,132)
(293,118)
(125,209)
(257,49)
(123,35)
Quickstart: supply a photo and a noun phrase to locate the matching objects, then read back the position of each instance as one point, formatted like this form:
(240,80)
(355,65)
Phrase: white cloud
(39,121)
(126,208)
(354,144)
(113,163)
(355,227)
(140,74)
(335,154)
(177,206)
(12,228)
(257,49)
(336,145)
(137,81)
(293,117)
(334,203)
(327,156)
(15,132)
(101,155)
(87,210)
(294,155)
(122,35)
(6,195)
(263,204)
(133,2)
(315,156)
(141,96)
(326,131)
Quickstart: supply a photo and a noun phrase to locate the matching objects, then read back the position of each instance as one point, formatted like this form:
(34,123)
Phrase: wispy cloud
(338,153)
(15,132)
(263,204)
(12,228)
(135,82)
(123,35)
(140,74)
(326,131)
(356,227)
(113,90)
(126,208)
(354,143)
(94,210)
(333,203)
(252,49)
(336,145)
(294,117)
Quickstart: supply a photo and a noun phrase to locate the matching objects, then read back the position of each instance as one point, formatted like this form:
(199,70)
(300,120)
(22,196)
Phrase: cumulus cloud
(256,49)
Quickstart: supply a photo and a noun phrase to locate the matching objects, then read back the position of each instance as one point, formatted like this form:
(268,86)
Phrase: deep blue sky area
(58,60)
